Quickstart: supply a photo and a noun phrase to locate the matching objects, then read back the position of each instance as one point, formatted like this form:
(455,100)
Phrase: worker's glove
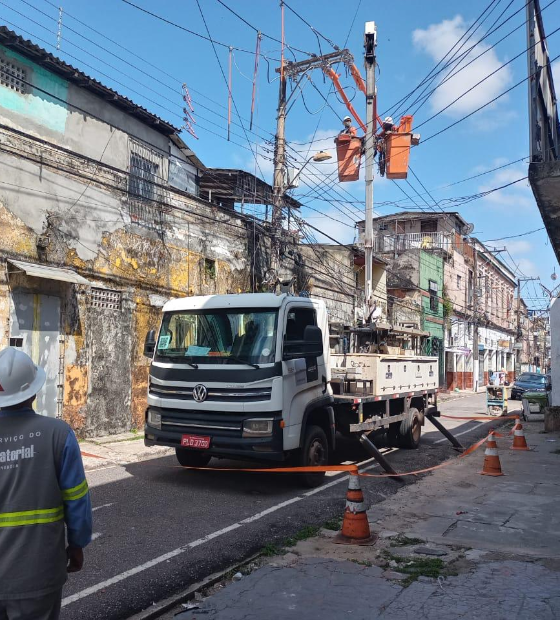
(75,557)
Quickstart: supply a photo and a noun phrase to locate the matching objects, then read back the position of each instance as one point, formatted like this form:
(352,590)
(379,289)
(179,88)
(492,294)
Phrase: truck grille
(243,395)
(196,422)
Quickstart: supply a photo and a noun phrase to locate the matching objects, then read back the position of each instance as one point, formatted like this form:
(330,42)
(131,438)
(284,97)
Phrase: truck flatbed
(382,416)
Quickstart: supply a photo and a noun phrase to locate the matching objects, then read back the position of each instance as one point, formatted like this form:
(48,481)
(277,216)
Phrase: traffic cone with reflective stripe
(519,441)
(355,525)
(492,466)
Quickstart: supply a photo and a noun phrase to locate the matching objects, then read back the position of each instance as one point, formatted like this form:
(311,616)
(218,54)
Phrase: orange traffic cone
(355,526)
(519,441)
(492,466)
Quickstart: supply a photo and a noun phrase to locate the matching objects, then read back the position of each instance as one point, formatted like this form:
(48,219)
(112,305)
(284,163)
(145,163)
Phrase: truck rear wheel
(410,430)
(315,451)
(190,458)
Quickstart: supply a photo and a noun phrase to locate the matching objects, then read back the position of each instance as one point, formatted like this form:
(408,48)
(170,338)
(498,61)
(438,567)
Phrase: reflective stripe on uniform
(76,492)
(31,517)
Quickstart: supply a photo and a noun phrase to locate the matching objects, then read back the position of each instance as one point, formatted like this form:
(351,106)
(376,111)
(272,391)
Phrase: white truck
(249,377)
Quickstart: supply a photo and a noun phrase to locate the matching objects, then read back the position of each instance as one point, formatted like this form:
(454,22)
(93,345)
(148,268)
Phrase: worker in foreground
(42,488)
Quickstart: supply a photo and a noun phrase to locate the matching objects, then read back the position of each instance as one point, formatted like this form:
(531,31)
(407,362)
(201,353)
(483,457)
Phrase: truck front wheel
(190,458)
(315,451)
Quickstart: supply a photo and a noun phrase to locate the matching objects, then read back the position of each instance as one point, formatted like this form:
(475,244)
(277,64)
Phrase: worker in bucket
(388,125)
(348,129)
(44,497)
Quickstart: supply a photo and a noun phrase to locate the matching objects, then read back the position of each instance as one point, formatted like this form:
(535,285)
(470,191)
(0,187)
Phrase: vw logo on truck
(200,393)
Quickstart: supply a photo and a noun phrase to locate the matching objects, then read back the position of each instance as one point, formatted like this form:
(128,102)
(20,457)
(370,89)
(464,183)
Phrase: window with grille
(145,191)
(13,76)
(105,298)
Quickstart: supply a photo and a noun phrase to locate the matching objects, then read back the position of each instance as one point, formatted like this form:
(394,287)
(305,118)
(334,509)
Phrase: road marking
(100,507)
(95,536)
(196,543)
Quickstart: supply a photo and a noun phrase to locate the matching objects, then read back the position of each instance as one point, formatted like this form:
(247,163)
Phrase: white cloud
(435,41)
(527,267)
(514,197)
(519,246)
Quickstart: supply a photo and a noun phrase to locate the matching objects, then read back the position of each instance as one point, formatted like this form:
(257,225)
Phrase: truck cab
(242,377)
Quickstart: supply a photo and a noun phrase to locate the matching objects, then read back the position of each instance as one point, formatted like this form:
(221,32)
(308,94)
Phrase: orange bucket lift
(397,147)
(349,155)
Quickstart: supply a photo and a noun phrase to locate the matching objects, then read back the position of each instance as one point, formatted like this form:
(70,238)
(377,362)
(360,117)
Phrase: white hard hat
(388,119)
(20,378)
(346,118)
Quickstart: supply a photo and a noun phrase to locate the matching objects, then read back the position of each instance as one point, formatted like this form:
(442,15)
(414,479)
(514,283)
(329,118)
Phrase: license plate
(195,441)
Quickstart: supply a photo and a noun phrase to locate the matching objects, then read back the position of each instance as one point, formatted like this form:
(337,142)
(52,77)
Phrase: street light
(319,157)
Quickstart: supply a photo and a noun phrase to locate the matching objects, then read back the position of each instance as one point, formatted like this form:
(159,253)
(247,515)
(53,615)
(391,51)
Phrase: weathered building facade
(335,274)
(101,223)
(463,295)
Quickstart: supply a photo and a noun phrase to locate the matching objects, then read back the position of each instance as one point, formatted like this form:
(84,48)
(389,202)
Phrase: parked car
(529,382)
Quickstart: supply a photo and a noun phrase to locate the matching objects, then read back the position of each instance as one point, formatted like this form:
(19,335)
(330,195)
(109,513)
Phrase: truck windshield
(218,336)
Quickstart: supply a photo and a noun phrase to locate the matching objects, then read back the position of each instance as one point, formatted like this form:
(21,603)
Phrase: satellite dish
(468,229)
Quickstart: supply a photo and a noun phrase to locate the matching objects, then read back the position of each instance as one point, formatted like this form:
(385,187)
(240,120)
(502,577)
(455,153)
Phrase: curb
(165,605)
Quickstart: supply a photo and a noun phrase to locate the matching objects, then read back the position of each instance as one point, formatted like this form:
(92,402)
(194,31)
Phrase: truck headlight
(154,419)
(257,427)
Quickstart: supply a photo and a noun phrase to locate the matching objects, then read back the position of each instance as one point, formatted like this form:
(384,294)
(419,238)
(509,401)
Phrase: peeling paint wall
(104,373)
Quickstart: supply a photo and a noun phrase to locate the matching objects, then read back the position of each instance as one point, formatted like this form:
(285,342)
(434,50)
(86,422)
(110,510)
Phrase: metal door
(481,367)
(35,328)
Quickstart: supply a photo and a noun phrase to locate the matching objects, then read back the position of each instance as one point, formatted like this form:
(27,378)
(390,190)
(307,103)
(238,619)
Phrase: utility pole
(518,334)
(370,42)
(279,162)
(287,70)
(476,354)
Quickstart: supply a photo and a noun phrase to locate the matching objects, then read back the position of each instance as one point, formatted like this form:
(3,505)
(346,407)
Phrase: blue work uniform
(42,488)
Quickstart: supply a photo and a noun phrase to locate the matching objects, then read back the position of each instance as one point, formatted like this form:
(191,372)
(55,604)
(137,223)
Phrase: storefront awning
(49,273)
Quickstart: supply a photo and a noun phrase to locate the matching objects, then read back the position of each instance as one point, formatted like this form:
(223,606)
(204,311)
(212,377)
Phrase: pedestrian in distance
(44,497)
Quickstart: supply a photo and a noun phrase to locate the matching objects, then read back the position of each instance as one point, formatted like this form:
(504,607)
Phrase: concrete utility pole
(292,70)
(518,335)
(279,162)
(370,42)
(476,354)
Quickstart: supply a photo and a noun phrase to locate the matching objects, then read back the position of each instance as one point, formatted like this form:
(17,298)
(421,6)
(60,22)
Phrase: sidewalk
(456,544)
(120,449)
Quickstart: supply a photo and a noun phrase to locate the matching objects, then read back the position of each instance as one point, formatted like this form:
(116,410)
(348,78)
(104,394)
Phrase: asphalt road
(159,528)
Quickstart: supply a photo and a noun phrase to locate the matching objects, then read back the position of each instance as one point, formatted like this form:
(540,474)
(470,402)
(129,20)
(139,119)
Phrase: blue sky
(412,38)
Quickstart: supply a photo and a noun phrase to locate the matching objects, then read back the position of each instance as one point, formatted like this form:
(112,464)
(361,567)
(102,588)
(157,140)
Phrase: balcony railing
(413,241)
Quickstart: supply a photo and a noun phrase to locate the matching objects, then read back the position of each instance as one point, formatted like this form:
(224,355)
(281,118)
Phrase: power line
(530,232)
(403,100)
(460,120)
(312,28)
(469,90)
(196,34)
(459,59)
(264,34)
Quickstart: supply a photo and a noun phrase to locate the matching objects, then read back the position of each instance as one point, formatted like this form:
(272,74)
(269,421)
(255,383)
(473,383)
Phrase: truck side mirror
(150,343)
(313,341)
